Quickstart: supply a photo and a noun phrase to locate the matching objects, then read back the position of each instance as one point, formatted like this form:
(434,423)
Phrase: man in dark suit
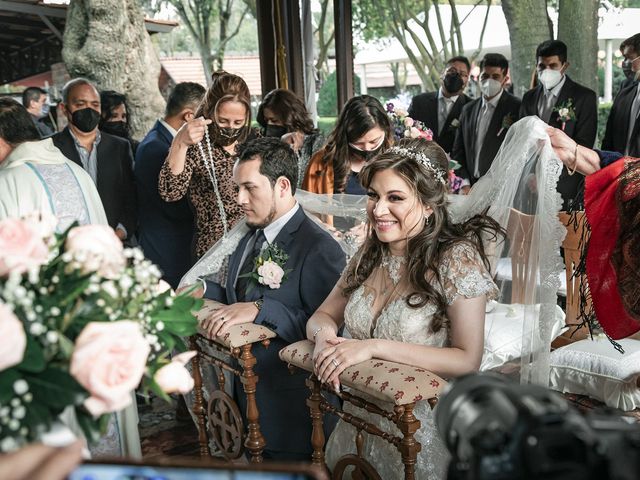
(266,174)
(564,104)
(484,122)
(106,158)
(440,111)
(623,128)
(165,229)
(34,100)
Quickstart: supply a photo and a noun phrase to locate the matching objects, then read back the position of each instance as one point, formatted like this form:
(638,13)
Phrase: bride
(414,293)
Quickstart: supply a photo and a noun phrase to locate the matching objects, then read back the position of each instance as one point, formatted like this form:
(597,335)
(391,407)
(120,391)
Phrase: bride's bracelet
(317,331)
(575,162)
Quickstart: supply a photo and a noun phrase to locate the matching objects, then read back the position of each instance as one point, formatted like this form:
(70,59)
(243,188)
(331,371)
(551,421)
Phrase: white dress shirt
(444,108)
(484,120)
(548,100)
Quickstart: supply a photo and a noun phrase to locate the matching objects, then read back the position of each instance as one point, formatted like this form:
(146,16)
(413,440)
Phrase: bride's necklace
(393,265)
(211,170)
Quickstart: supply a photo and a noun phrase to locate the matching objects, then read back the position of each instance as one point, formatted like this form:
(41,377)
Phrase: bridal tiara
(423,160)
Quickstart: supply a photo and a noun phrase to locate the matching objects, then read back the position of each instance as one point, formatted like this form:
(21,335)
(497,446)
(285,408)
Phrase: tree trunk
(578,28)
(106,42)
(528,27)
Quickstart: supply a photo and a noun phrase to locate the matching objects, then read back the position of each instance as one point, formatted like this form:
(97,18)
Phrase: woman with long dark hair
(115,117)
(282,114)
(363,130)
(414,293)
(201,158)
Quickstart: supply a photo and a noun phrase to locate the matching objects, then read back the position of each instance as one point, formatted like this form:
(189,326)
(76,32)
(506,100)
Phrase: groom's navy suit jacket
(316,262)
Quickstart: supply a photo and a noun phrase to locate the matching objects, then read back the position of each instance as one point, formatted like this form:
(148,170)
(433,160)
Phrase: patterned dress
(195,182)
(462,274)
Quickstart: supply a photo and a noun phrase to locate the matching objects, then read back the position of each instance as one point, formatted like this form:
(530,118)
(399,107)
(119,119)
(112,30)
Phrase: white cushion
(503,329)
(595,368)
(504,273)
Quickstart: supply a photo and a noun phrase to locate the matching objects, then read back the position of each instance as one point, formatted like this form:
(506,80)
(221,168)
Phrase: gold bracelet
(575,163)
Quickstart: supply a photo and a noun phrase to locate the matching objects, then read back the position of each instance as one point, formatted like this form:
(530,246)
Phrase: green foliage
(326,124)
(603,115)
(328,95)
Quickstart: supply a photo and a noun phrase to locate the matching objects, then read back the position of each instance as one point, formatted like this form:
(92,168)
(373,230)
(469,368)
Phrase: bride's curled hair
(423,165)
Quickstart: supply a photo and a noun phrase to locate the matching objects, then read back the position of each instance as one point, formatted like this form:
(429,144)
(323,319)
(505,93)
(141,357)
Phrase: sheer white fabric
(367,316)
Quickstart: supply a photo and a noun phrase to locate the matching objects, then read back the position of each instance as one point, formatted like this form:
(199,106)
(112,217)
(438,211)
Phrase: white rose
(271,274)
(99,248)
(174,377)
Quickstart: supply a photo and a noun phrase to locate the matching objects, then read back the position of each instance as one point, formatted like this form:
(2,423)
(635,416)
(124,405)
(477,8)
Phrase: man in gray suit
(266,173)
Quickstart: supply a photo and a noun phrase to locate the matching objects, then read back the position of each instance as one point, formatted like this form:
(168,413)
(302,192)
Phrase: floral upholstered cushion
(238,335)
(388,381)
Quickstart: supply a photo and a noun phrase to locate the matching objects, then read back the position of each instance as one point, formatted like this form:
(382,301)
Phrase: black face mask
(225,136)
(626,69)
(275,131)
(452,82)
(86,119)
(119,129)
(366,154)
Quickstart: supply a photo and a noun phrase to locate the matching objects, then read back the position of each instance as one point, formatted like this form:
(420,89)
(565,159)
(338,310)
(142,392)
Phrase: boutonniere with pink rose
(269,268)
(507,121)
(83,322)
(566,112)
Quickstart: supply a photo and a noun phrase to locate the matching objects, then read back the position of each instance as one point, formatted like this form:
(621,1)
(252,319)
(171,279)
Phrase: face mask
(119,129)
(225,136)
(490,87)
(366,154)
(86,119)
(549,78)
(276,131)
(627,68)
(452,82)
(44,111)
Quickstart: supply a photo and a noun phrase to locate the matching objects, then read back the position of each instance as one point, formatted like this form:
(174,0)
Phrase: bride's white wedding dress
(369,314)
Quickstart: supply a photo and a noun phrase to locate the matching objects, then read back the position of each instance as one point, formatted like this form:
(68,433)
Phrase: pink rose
(174,377)
(408,122)
(109,360)
(44,224)
(414,132)
(270,274)
(21,248)
(401,112)
(14,340)
(99,247)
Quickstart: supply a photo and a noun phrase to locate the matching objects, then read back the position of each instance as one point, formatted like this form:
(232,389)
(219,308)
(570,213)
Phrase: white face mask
(550,78)
(490,87)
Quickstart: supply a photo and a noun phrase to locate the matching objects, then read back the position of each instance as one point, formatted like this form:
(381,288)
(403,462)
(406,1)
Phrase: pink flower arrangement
(404,126)
(109,360)
(174,377)
(83,322)
(21,247)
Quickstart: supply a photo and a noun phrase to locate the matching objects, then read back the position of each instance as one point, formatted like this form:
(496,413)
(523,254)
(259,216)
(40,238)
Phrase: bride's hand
(341,354)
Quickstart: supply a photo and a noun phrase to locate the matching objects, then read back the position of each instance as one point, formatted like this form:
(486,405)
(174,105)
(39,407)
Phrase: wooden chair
(378,379)
(576,284)
(222,418)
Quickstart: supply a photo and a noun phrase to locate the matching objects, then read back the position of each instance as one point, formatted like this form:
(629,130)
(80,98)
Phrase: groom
(266,174)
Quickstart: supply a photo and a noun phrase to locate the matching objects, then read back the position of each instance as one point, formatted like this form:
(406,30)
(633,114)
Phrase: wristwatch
(258,303)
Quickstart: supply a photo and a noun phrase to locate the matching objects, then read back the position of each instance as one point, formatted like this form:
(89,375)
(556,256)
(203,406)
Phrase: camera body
(499,430)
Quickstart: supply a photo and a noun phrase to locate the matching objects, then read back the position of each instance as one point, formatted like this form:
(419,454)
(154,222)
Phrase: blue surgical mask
(44,111)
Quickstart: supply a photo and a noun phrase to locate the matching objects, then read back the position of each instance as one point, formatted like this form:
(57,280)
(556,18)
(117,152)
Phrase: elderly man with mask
(440,111)
(623,127)
(35,178)
(484,122)
(107,159)
(564,104)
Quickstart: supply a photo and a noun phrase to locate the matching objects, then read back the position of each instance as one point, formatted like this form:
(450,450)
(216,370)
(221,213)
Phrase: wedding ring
(335,362)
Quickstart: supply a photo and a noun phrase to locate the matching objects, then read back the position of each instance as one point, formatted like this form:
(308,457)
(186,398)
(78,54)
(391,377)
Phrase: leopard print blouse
(195,182)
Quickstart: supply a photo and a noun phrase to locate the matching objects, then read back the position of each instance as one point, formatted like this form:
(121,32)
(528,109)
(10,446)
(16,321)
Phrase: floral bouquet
(83,323)
(406,127)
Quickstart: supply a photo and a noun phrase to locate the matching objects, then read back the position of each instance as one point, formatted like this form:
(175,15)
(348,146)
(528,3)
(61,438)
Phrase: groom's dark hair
(277,159)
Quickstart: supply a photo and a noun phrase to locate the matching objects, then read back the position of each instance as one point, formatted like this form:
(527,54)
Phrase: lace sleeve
(174,187)
(462,273)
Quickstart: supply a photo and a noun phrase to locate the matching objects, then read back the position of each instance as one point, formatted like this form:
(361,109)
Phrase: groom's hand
(228,315)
